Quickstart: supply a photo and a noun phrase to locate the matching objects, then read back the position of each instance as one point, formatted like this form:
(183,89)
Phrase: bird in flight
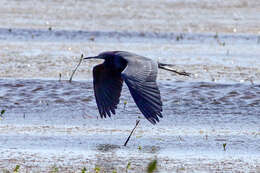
(138,72)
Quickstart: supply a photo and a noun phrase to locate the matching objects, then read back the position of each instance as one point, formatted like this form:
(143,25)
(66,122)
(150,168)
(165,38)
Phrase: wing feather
(107,88)
(140,76)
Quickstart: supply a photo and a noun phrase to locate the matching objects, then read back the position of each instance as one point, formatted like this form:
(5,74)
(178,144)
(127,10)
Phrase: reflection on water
(107,147)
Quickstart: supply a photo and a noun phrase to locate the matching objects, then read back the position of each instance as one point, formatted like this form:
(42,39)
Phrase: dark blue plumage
(138,72)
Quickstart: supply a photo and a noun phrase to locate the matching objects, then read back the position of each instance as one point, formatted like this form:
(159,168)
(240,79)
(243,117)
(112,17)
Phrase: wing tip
(154,119)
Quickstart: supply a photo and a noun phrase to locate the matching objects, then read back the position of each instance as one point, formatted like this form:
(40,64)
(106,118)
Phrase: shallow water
(52,124)
(48,55)
(49,118)
(233,16)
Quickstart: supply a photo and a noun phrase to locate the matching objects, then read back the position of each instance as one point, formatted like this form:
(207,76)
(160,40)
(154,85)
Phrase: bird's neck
(115,63)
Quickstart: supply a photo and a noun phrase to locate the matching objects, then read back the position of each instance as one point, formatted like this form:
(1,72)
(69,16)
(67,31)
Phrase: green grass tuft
(152,166)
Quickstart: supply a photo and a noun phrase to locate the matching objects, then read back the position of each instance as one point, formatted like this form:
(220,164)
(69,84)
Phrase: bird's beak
(92,57)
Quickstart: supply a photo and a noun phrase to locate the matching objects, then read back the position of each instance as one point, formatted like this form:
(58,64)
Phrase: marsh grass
(54,169)
(125,102)
(1,114)
(16,169)
(97,169)
(150,168)
(84,170)
(224,146)
(218,40)
(128,166)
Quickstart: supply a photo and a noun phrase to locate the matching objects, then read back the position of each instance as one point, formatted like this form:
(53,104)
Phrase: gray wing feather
(140,76)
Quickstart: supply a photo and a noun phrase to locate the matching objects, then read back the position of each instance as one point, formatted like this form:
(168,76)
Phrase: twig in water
(81,58)
(59,77)
(224,146)
(162,66)
(137,122)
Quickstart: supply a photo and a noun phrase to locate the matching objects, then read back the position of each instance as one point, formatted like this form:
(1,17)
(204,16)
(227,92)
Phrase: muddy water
(214,101)
(51,122)
(231,16)
(223,58)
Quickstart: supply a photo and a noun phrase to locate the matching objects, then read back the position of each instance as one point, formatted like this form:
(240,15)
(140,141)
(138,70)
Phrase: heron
(138,72)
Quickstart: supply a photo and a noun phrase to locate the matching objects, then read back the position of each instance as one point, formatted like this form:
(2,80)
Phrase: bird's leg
(137,122)
(162,66)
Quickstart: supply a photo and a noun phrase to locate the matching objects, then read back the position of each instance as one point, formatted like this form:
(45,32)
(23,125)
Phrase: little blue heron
(139,74)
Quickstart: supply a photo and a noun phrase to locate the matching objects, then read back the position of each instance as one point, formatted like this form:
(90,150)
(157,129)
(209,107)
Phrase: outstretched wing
(140,76)
(107,88)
